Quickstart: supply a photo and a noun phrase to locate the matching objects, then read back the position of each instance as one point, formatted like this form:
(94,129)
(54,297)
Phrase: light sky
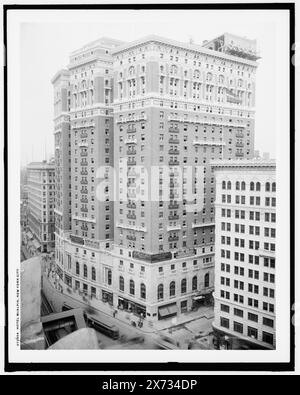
(48,39)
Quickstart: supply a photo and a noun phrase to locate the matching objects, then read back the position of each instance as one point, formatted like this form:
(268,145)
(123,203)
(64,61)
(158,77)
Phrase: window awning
(200,297)
(170,309)
(163,311)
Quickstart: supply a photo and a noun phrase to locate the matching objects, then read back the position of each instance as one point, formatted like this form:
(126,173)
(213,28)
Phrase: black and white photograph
(149,196)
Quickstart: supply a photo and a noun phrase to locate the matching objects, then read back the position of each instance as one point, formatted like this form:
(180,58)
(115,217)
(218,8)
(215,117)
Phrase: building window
(121,283)
(252,317)
(77,268)
(93,274)
(225,308)
(143,291)
(238,327)
(268,322)
(206,280)
(252,332)
(267,338)
(84,270)
(183,286)
(109,276)
(131,287)
(238,312)
(224,322)
(93,292)
(194,283)
(172,288)
(160,292)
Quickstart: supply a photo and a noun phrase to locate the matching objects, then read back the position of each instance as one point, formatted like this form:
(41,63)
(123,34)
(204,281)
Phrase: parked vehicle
(104,327)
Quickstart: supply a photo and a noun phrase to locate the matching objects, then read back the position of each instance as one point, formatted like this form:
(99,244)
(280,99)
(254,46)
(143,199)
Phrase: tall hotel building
(245,253)
(83,144)
(174,108)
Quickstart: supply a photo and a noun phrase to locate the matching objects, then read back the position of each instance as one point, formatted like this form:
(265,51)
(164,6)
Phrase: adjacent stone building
(40,209)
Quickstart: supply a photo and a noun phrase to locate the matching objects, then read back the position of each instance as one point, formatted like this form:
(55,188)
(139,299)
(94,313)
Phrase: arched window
(273,186)
(131,70)
(237,186)
(223,185)
(267,187)
(131,287)
(143,291)
(174,69)
(93,274)
(243,186)
(183,286)
(221,79)
(161,69)
(84,270)
(109,276)
(194,283)
(160,292)
(196,74)
(258,186)
(77,268)
(208,76)
(251,186)
(228,184)
(172,288)
(206,280)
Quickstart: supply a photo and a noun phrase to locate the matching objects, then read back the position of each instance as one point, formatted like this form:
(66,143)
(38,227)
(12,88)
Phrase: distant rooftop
(234,45)
(106,42)
(41,165)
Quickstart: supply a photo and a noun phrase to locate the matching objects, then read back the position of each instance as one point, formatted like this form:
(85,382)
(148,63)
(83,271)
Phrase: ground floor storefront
(131,307)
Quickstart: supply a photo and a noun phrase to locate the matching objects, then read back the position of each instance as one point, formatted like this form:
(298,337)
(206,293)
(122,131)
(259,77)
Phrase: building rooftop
(59,73)
(234,56)
(41,165)
(105,42)
(243,163)
(234,45)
